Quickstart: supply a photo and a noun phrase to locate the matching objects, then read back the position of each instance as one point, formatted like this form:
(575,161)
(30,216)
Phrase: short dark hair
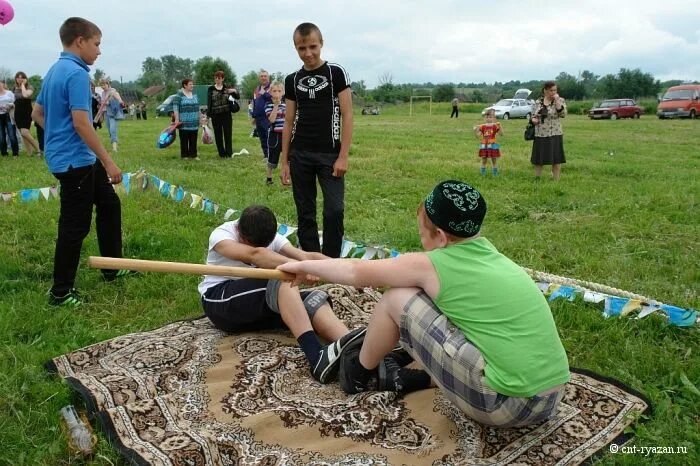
(257,225)
(548,85)
(219,74)
(305,29)
(75,27)
(186,81)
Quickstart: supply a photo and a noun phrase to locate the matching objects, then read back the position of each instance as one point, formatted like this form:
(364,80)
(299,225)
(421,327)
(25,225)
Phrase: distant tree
(98,74)
(36,81)
(175,69)
(629,83)
(443,92)
(359,88)
(6,75)
(152,65)
(478,96)
(205,67)
(248,84)
(385,78)
(152,73)
(277,76)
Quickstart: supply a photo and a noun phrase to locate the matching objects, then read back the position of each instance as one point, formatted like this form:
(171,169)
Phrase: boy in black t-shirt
(316,141)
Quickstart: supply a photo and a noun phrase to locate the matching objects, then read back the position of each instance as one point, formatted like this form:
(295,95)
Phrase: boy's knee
(278,291)
(395,300)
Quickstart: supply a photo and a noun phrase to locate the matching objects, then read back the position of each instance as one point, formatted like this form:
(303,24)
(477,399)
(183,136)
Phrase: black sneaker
(72,298)
(268,181)
(402,357)
(394,378)
(353,378)
(327,366)
(110,277)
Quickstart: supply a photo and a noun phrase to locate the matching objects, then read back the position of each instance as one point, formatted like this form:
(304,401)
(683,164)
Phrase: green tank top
(500,309)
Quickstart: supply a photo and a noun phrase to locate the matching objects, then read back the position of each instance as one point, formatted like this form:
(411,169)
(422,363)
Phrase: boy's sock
(483,171)
(310,346)
(494,170)
(268,181)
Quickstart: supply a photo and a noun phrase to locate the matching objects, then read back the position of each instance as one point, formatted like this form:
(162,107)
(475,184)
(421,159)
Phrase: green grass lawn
(628,220)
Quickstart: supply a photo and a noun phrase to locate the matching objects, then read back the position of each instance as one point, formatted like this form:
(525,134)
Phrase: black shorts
(249,304)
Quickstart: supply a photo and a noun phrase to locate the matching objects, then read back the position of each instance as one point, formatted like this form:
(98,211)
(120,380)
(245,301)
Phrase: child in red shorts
(489,147)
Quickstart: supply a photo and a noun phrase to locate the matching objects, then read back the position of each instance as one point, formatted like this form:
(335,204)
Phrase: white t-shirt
(6,99)
(229,231)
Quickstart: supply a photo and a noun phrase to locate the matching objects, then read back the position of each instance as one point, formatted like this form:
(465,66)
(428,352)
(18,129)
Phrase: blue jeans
(7,129)
(112,126)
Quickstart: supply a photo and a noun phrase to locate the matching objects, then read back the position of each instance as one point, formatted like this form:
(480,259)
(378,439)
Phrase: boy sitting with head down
(246,304)
(472,317)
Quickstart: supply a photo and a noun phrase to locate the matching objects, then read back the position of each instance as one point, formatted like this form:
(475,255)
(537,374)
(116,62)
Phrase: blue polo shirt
(66,87)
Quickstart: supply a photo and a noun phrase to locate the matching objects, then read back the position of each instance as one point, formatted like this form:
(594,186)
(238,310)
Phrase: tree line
(627,83)
(170,70)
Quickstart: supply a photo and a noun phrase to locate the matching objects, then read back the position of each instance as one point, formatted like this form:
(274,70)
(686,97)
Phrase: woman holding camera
(548,145)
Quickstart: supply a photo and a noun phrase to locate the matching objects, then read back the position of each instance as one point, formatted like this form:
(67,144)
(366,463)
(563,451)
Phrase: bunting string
(616,302)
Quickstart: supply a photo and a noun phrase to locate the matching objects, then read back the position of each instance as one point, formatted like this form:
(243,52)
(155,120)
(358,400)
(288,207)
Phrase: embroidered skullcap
(456,208)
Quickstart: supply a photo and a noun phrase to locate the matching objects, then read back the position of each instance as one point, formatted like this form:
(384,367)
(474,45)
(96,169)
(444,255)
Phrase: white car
(511,108)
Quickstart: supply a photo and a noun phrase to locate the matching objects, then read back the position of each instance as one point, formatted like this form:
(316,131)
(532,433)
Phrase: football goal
(419,97)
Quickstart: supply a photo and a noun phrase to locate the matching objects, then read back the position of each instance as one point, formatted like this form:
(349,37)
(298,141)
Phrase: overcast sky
(413,41)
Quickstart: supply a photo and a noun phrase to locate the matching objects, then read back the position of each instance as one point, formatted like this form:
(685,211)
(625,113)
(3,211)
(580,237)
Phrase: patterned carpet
(188,394)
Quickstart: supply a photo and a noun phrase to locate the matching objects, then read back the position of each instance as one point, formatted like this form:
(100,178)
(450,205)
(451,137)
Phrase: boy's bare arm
(260,257)
(273,113)
(340,167)
(297,254)
(83,126)
(38,115)
(290,114)
(408,270)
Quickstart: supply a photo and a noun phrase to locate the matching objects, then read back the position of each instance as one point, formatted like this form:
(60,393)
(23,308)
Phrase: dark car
(613,109)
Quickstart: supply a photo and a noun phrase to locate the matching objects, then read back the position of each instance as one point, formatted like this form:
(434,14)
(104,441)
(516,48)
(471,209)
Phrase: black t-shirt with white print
(317,121)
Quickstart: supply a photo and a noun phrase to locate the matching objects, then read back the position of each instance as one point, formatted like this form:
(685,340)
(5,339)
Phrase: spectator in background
(23,112)
(7,129)
(548,145)
(261,97)
(186,112)
(111,108)
(142,105)
(275,112)
(219,111)
(95,108)
(455,108)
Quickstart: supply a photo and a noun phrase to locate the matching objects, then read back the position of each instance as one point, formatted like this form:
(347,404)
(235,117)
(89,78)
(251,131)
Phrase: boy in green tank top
(470,316)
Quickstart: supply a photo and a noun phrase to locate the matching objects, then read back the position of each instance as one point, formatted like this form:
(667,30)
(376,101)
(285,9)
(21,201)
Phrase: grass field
(625,214)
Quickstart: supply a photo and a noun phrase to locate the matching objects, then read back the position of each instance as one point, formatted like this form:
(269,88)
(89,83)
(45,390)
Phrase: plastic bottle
(80,437)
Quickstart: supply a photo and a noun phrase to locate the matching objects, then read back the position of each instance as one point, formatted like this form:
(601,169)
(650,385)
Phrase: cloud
(415,41)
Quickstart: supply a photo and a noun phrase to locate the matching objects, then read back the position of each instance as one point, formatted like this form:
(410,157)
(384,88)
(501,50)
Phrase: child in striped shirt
(275,112)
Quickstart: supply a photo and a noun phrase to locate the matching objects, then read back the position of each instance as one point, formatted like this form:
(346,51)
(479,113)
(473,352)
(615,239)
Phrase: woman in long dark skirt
(548,146)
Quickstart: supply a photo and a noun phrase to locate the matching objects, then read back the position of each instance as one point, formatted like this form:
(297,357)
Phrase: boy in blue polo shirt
(72,149)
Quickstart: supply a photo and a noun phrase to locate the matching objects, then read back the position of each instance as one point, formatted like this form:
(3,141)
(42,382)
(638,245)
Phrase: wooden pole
(113,263)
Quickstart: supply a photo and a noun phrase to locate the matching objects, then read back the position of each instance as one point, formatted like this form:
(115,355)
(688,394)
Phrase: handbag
(529,132)
(233,105)
(207,137)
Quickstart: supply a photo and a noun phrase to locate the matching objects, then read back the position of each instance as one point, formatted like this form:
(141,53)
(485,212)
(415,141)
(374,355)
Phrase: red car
(616,108)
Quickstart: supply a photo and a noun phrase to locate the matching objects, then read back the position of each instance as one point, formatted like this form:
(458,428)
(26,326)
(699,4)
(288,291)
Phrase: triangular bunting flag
(46,193)
(195,200)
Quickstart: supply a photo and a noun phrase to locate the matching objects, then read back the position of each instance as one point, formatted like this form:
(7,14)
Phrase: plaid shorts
(457,367)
